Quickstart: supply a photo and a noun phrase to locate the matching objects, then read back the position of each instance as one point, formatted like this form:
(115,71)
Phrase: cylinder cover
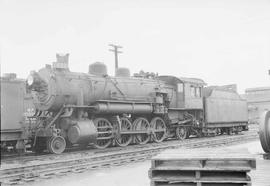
(83,132)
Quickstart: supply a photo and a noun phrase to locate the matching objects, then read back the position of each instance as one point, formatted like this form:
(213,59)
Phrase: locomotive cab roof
(173,80)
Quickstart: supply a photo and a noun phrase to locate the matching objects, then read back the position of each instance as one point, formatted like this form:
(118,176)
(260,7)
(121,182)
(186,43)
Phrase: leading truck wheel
(56,144)
(181,133)
(264,132)
(104,130)
(159,129)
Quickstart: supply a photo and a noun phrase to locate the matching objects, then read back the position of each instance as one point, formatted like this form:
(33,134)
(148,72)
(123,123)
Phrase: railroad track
(21,174)
(89,151)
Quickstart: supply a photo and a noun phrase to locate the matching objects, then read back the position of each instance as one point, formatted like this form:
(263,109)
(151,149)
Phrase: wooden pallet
(197,184)
(201,167)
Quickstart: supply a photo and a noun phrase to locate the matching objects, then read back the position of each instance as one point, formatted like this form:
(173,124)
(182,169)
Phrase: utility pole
(116,52)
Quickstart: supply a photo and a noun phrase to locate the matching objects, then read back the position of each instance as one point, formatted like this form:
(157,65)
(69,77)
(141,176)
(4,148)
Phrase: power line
(116,51)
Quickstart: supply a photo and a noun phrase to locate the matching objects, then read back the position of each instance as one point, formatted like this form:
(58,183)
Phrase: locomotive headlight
(30,80)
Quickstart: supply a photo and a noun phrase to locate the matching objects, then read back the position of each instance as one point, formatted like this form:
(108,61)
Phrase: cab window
(193,91)
(180,87)
(198,92)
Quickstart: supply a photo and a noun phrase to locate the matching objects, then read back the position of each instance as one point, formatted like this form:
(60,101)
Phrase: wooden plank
(239,169)
(206,180)
(201,157)
(206,164)
(195,184)
(197,176)
(204,154)
(186,157)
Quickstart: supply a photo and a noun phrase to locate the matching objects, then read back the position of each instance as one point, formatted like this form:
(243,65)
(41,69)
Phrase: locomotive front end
(56,91)
(43,89)
(55,86)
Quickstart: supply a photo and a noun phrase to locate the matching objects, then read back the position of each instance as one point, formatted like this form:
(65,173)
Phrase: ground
(136,174)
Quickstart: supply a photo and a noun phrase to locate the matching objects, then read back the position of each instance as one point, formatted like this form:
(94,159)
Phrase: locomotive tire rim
(137,125)
(158,126)
(103,143)
(264,131)
(127,126)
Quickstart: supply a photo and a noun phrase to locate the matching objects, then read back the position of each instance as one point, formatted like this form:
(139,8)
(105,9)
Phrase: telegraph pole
(116,51)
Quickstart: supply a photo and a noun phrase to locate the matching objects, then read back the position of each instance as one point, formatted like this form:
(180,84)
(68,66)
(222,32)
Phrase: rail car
(94,108)
(16,106)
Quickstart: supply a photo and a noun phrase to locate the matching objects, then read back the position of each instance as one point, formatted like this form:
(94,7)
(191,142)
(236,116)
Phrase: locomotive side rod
(132,132)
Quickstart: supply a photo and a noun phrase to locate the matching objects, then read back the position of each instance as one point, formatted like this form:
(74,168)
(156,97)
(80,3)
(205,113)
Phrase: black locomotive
(82,108)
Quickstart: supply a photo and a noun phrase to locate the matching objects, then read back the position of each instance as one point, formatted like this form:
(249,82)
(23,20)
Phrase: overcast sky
(219,41)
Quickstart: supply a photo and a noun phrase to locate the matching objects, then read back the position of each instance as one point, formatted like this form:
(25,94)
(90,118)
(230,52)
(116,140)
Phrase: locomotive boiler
(78,109)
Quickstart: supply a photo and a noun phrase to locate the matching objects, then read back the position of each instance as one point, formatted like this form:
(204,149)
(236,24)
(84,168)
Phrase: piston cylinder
(83,132)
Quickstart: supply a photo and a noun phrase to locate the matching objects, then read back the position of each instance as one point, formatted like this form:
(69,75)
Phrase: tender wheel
(124,139)
(104,128)
(181,133)
(141,124)
(56,144)
(159,129)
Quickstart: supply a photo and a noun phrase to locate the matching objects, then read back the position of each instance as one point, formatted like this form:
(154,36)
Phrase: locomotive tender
(16,106)
(83,108)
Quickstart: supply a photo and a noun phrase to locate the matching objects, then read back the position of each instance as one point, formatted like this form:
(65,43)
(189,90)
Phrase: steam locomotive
(94,108)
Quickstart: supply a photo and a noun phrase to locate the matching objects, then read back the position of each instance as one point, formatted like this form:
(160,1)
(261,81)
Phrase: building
(258,100)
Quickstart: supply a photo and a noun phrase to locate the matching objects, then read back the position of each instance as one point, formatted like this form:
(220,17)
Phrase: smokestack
(61,62)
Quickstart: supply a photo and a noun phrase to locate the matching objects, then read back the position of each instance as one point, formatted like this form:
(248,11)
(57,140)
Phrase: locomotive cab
(186,105)
(185,92)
